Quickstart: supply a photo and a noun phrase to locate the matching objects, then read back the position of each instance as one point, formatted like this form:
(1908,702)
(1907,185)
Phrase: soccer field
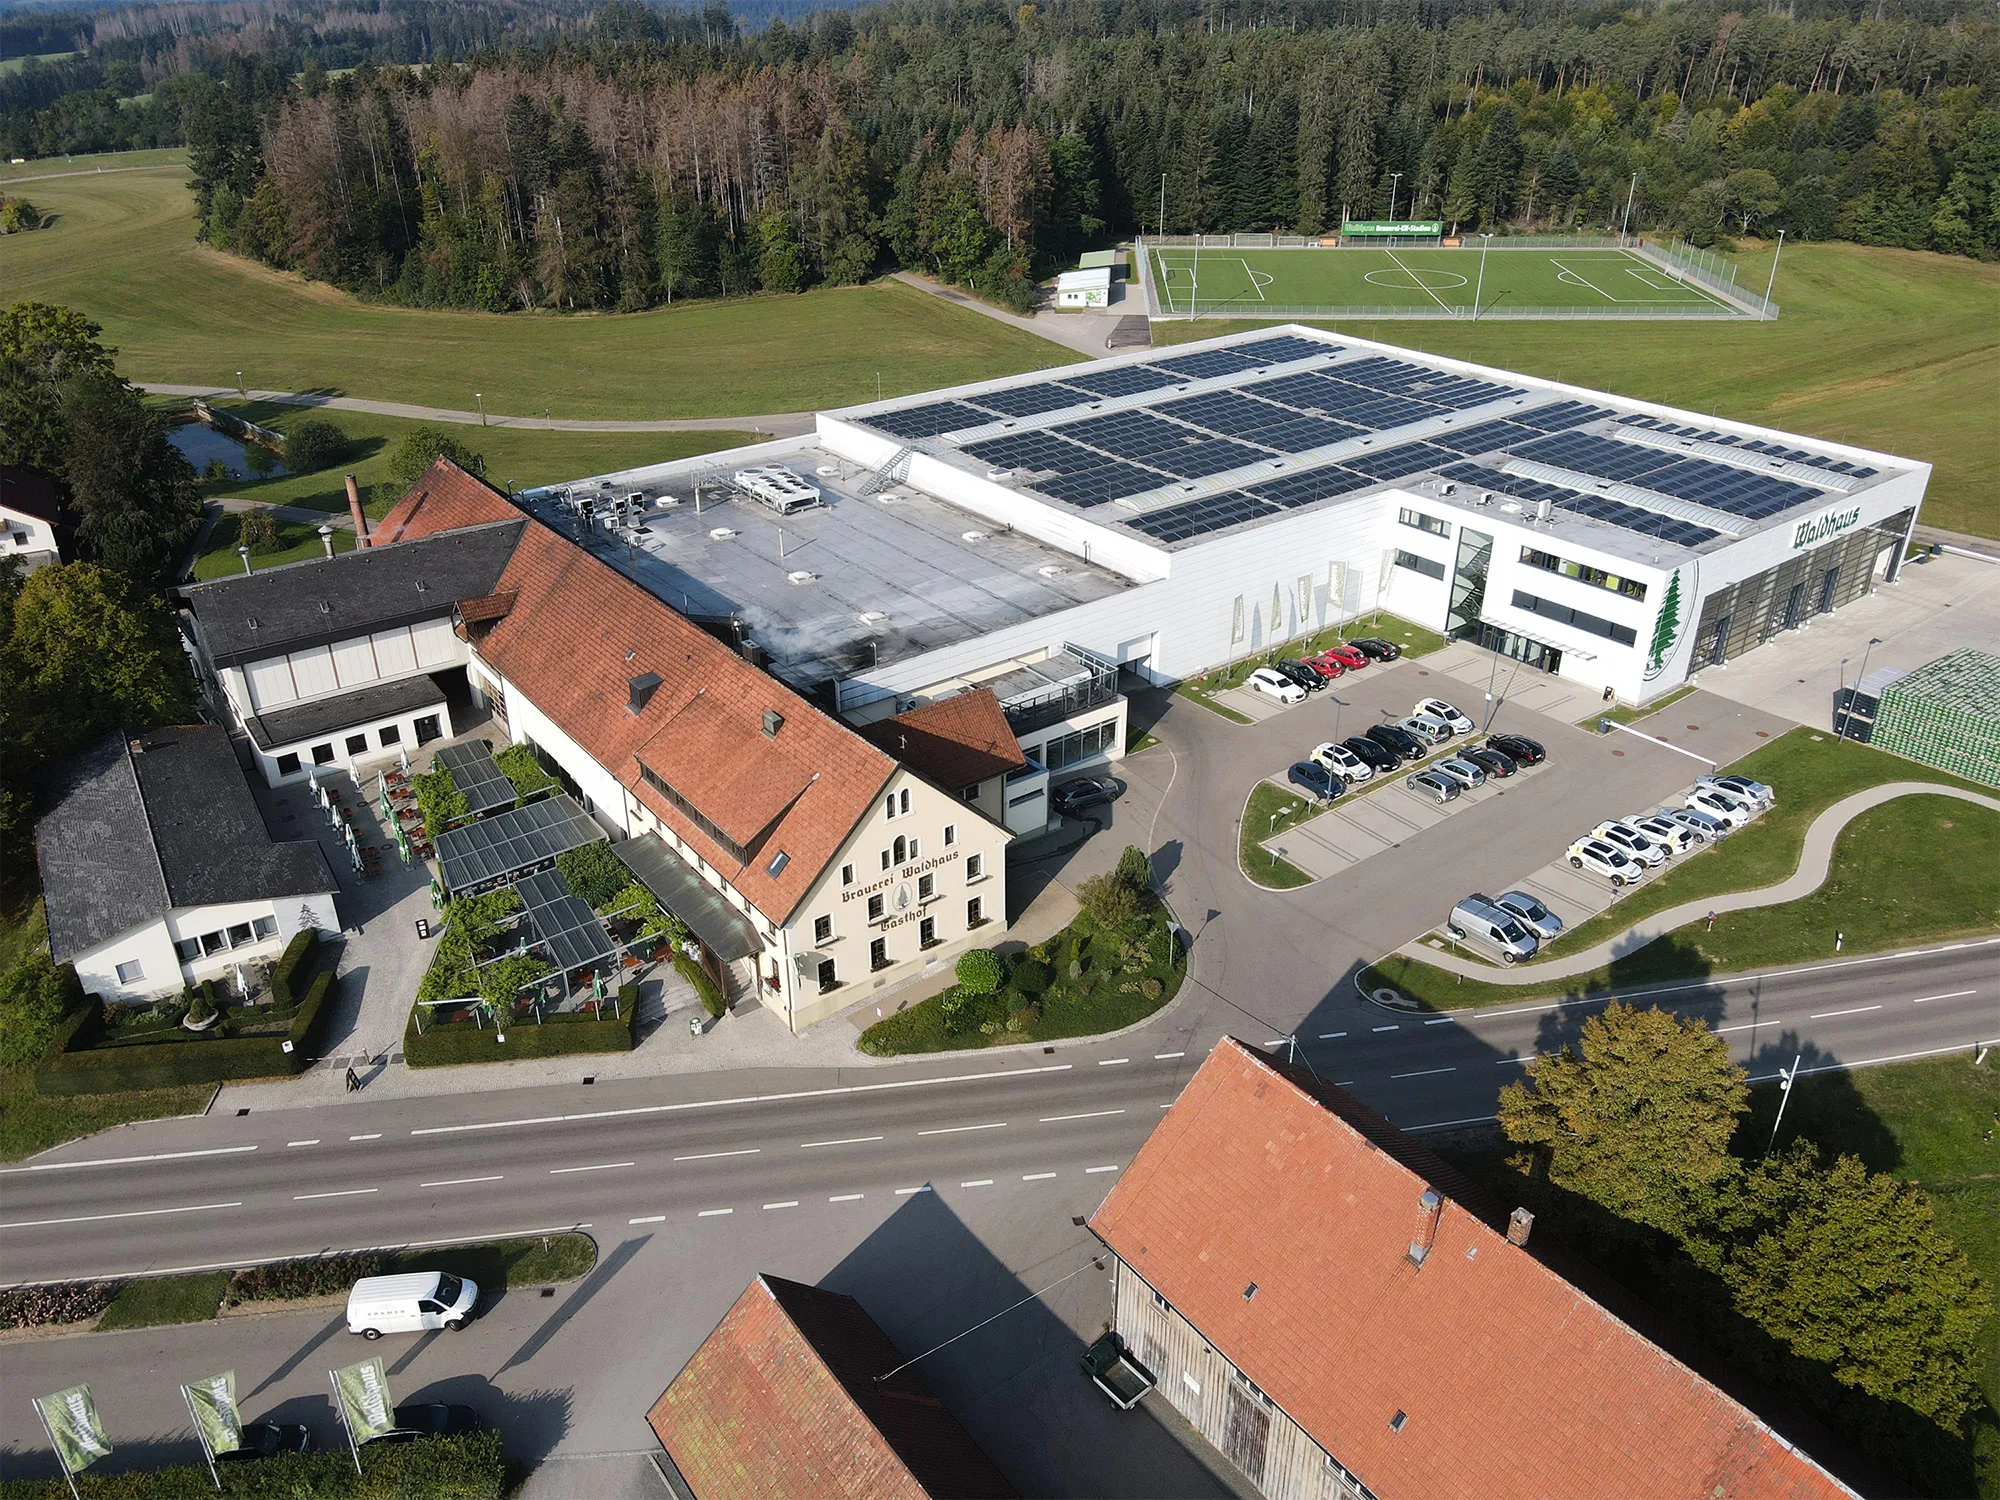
(1592,281)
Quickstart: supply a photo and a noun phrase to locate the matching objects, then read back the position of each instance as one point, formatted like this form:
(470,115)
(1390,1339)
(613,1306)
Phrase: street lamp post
(239,386)
(1772,284)
(1786,1078)
(243,551)
(1395,179)
(1485,240)
(1847,708)
(481,399)
(1625,225)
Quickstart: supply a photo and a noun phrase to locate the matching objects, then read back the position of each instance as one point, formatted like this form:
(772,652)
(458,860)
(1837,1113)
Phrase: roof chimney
(361,537)
(1429,1208)
(773,720)
(1519,1222)
(642,690)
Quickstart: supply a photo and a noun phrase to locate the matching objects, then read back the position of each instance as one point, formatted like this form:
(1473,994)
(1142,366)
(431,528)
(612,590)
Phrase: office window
(1631,588)
(131,973)
(265,927)
(1079,745)
(239,934)
(826,975)
(323,755)
(1025,797)
(1624,635)
(1418,564)
(950,834)
(357,744)
(975,866)
(875,908)
(213,942)
(878,954)
(1435,525)
(975,911)
(187,950)
(847,874)
(288,765)
(390,736)
(822,929)
(926,887)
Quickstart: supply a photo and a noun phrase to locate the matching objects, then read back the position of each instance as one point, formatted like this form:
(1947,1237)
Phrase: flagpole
(201,1436)
(61,1462)
(340,1405)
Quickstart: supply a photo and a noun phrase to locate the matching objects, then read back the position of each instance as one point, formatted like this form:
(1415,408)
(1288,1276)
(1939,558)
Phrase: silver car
(1464,772)
(1430,784)
(1530,913)
(1756,793)
(1700,824)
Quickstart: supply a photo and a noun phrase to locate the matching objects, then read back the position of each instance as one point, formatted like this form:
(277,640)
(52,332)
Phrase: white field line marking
(1095,1114)
(649,1219)
(341,1193)
(788,1203)
(712,1155)
(778,1098)
(374,1137)
(1577,278)
(852,1140)
(1167,1056)
(1111,1062)
(137,1213)
(460,1181)
(1417,279)
(844,1198)
(1426,1073)
(1038,1177)
(1828,1015)
(1091,1170)
(978,1182)
(603,1166)
(961,1129)
(905,1192)
(121,1161)
(714,1213)
(313,1142)
(1954,995)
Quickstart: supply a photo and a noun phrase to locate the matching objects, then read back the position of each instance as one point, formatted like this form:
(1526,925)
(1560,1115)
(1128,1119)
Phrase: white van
(416,1303)
(1477,919)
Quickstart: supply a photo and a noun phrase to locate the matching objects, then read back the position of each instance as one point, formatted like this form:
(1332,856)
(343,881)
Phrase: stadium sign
(1825,528)
(1390,227)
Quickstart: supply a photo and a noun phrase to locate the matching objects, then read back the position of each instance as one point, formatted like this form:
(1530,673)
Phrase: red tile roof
(954,742)
(1515,1382)
(781,1403)
(445,499)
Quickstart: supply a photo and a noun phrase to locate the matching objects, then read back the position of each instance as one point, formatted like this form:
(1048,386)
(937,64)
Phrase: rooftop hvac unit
(721,534)
(972,536)
(800,576)
(779,488)
(1485,498)
(1447,489)
(1542,509)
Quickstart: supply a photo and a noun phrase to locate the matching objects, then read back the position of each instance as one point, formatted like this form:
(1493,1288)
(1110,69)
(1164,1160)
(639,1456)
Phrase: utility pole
(1479,291)
(481,399)
(1163,206)
(1625,225)
(1395,179)
(1786,1078)
(1771,285)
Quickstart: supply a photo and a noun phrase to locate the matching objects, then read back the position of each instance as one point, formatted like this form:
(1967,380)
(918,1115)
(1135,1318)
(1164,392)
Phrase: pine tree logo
(1666,629)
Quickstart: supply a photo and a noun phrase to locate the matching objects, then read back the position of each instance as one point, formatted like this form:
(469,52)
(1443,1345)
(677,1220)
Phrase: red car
(1347,656)
(1326,666)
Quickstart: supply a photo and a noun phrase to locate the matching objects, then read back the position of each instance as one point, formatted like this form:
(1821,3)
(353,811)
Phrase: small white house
(1091,288)
(29,512)
(159,872)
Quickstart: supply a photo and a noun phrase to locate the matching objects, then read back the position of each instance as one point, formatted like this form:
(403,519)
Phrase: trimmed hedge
(298,958)
(712,998)
(558,1036)
(80,1066)
(453,1468)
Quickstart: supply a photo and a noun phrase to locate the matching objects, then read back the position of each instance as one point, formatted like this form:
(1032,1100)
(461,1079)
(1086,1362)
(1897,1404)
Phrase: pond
(202,446)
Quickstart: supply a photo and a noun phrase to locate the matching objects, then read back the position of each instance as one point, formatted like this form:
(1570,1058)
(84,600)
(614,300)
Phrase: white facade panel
(270,683)
(354,662)
(312,670)
(437,645)
(394,655)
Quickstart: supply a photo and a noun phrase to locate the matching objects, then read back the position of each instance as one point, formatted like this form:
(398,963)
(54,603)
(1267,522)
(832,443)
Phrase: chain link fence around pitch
(1698,267)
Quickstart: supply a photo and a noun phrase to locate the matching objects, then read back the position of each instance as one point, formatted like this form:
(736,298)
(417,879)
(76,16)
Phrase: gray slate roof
(335,715)
(162,821)
(310,603)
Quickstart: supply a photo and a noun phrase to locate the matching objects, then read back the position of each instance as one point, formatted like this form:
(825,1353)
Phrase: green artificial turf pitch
(1592,281)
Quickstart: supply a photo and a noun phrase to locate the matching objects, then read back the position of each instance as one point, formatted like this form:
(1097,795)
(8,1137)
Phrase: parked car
(1530,913)
(1072,797)
(1327,666)
(1399,742)
(429,1419)
(1477,919)
(1431,784)
(1720,805)
(1302,674)
(1424,727)
(1704,826)
(1316,779)
(1675,838)
(1603,859)
(1754,792)
(1489,760)
(1518,748)
(1348,656)
(1437,708)
(1372,752)
(267,1439)
(1275,684)
(414,1303)
(1464,772)
(1375,648)
(1342,761)
(1634,843)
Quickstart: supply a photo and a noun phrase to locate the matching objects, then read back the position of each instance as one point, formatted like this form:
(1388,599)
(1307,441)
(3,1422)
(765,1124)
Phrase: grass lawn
(122,251)
(1269,812)
(154,1300)
(297,540)
(1416,640)
(1888,349)
(496,1265)
(1627,713)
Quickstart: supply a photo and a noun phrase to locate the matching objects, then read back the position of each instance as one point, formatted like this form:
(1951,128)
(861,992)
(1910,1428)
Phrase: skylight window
(778,863)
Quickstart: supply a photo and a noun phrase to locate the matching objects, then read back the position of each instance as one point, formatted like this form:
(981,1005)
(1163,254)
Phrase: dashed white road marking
(852,1140)
(1090,1170)
(1440,1021)
(905,1192)
(341,1193)
(603,1166)
(313,1142)
(1425,1073)
(1167,1056)
(1111,1062)
(1038,1177)
(1954,995)
(1828,1015)
(1385,1028)
(1095,1114)
(1331,1036)
(373,1136)
(788,1203)
(712,1155)
(714,1213)
(844,1198)
(961,1129)
(649,1219)
(461,1181)
(978,1182)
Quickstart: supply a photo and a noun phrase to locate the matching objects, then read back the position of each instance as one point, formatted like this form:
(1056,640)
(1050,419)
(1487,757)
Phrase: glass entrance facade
(1468,583)
(1519,648)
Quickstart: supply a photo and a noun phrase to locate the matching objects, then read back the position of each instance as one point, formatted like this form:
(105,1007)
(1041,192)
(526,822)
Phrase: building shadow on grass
(1017,1383)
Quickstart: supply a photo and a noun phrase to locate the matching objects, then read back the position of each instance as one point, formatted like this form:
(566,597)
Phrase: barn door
(1246,1433)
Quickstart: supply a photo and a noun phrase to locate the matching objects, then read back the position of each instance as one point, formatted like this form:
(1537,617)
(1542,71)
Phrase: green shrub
(1029,976)
(314,444)
(441,1045)
(980,971)
(43,1306)
(961,1009)
(519,765)
(201,1003)
(712,999)
(294,964)
(1134,868)
(452,1468)
(307,1028)
(594,872)
(1110,901)
(35,997)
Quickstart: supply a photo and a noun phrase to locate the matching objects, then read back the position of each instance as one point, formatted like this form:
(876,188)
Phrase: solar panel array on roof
(1284,349)
(1035,450)
(1226,412)
(1304,488)
(477,776)
(1128,434)
(1751,445)
(1302,433)
(1484,438)
(928,421)
(1740,492)
(1095,486)
(489,850)
(1398,377)
(1596,507)
(1031,400)
(1305,391)
(1394,463)
(1212,457)
(1208,364)
(1580,451)
(1562,414)
(1176,523)
(1121,380)
(565,927)
(1388,411)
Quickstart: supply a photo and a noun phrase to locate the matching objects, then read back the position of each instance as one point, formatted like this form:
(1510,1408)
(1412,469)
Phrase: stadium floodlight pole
(1395,179)
(1771,285)
(1163,206)
(1625,225)
(1479,291)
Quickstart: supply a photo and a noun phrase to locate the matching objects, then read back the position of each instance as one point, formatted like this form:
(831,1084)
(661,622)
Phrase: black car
(266,1439)
(1489,760)
(1400,742)
(1375,648)
(1316,779)
(1518,748)
(1072,797)
(430,1419)
(1299,672)
(1372,753)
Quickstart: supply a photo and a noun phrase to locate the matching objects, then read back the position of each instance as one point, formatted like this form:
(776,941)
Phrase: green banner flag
(71,1418)
(364,1400)
(213,1404)
(1392,227)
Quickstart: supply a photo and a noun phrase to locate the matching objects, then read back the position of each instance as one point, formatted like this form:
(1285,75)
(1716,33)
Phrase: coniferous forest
(482,155)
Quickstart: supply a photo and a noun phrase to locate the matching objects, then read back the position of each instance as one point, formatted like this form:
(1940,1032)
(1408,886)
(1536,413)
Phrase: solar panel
(1595,455)
(1459,392)
(928,421)
(1295,490)
(1562,414)
(1301,433)
(1212,457)
(1484,438)
(1750,445)
(1128,434)
(565,927)
(1226,412)
(1035,451)
(1338,395)
(1095,486)
(1380,373)
(489,850)
(1031,400)
(1207,364)
(1284,349)
(1304,392)
(1394,463)
(1741,492)
(1121,380)
(1389,411)
(1177,523)
(1597,507)
(477,776)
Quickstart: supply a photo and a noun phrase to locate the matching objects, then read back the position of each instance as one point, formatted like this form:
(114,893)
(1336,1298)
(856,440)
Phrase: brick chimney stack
(1430,1208)
(361,537)
(1519,1222)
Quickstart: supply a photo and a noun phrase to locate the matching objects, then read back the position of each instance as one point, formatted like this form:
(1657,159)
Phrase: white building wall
(28,537)
(603,795)
(151,946)
(269,762)
(290,678)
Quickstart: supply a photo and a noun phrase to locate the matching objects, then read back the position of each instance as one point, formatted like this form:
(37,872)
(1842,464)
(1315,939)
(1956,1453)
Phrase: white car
(1342,761)
(1431,731)
(1603,859)
(1631,840)
(1755,793)
(1464,772)
(1437,708)
(1275,685)
(1719,805)
(1675,838)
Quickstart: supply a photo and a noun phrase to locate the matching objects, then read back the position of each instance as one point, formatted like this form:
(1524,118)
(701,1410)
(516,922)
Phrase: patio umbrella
(242,984)
(597,985)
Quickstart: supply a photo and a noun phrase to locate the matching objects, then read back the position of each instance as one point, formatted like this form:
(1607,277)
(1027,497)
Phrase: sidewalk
(1814,858)
(779,424)
(1087,333)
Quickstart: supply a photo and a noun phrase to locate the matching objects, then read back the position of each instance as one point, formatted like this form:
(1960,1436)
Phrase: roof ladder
(895,471)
